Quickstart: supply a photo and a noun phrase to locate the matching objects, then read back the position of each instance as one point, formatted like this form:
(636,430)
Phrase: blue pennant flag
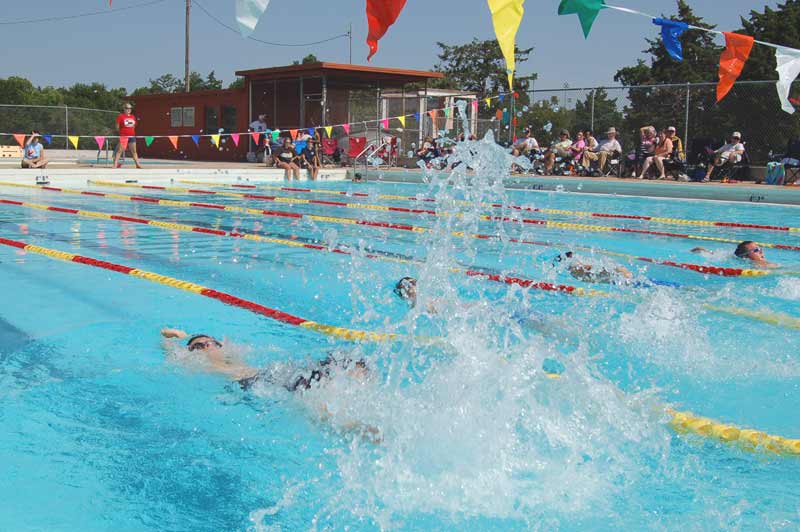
(196,139)
(311,131)
(670,34)
(47,138)
(501,98)
(416,117)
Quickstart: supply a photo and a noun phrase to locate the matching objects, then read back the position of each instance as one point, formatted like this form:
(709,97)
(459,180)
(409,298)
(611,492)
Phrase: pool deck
(73,168)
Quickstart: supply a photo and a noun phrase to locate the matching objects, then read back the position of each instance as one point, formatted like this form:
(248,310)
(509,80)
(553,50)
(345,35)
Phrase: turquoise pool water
(105,429)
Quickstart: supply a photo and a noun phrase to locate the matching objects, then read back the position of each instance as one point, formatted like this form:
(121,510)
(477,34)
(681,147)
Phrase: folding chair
(790,160)
(356,148)
(331,154)
(389,152)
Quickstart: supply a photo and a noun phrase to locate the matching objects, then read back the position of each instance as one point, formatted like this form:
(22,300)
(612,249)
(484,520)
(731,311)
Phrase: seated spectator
(646,148)
(559,149)
(591,142)
(677,144)
(662,150)
(428,151)
(310,159)
(33,152)
(528,145)
(676,163)
(603,150)
(578,147)
(730,153)
(286,158)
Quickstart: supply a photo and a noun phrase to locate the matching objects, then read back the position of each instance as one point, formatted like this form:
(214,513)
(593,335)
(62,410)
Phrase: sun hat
(611,130)
(736,135)
(671,128)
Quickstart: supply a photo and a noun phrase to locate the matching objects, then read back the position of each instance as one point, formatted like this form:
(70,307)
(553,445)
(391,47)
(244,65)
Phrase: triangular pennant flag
(380,15)
(196,139)
(488,102)
(501,98)
(432,113)
(256,137)
(100,141)
(109,2)
(311,131)
(20,139)
(671,31)
(74,140)
(416,117)
(732,60)
(276,134)
(447,112)
(475,105)
(586,10)
(506,17)
(293,133)
(47,138)
(174,140)
(149,140)
(248,12)
(215,140)
(328,130)
(402,120)
(788,68)
(235,139)
(123,143)
(346,128)
(385,123)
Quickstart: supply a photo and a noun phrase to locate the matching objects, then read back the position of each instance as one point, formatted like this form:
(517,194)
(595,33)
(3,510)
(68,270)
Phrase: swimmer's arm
(173,333)
(700,250)
(234,369)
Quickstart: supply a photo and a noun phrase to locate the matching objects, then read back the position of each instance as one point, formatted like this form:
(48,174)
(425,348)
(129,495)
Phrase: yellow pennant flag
(488,102)
(215,140)
(402,120)
(507,16)
(329,130)
(74,140)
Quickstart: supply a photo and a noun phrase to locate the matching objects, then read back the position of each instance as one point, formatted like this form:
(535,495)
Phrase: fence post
(66,126)
(686,124)
(592,119)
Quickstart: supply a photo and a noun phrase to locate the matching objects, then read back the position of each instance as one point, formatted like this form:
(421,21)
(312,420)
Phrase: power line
(81,15)
(234,30)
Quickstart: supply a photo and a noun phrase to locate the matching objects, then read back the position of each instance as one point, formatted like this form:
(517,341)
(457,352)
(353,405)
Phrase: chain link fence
(55,120)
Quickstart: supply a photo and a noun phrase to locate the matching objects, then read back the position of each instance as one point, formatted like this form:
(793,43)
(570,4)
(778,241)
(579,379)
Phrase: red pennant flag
(174,140)
(381,14)
(293,133)
(256,137)
(123,142)
(732,60)
(20,139)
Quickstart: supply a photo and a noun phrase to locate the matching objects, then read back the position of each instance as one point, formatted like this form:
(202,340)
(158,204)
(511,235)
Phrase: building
(291,97)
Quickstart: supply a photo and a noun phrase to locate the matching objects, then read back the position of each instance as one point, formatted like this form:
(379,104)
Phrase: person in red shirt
(126,126)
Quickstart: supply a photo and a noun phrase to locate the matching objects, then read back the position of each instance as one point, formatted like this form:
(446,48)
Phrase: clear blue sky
(128,48)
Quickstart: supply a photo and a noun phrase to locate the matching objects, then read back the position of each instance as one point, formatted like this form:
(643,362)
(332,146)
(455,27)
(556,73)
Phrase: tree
(602,115)
(478,66)
(310,58)
(169,83)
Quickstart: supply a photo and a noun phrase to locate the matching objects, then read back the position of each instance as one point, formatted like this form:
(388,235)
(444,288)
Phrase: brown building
(291,97)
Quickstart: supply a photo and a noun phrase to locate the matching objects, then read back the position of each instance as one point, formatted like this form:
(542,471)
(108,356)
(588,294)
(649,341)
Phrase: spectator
(260,126)
(731,152)
(33,152)
(662,150)
(427,152)
(559,149)
(528,144)
(578,147)
(286,158)
(310,159)
(126,127)
(677,144)
(591,142)
(603,150)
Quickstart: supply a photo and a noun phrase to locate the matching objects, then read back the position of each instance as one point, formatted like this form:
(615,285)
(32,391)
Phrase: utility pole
(350,36)
(187,85)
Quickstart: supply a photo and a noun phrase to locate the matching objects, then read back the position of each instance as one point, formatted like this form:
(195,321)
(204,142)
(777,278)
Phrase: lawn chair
(331,154)
(790,160)
(389,152)
(356,149)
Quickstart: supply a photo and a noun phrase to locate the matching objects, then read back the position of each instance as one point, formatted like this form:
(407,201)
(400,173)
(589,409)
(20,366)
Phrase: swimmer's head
(406,288)
(202,342)
(749,250)
(560,257)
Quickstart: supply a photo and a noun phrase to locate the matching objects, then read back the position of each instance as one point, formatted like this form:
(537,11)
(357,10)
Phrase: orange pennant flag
(293,133)
(432,112)
(20,139)
(732,60)
(174,140)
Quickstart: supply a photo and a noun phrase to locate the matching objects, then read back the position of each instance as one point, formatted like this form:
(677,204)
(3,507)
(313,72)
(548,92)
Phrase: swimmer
(406,289)
(747,250)
(588,273)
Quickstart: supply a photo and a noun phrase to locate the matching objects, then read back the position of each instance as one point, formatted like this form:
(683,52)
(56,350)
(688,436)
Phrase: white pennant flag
(247,14)
(788,67)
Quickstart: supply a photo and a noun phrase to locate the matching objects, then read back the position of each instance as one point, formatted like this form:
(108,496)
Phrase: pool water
(106,428)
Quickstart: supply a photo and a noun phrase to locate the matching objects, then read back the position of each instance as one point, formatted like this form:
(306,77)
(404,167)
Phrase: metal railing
(60,120)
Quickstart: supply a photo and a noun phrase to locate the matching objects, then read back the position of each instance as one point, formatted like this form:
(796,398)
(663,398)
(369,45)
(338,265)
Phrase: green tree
(605,114)
(478,66)
(310,58)
(169,83)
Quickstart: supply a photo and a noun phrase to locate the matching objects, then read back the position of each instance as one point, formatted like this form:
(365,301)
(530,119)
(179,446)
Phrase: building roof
(341,71)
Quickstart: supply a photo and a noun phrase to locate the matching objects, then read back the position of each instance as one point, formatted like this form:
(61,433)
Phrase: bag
(776,172)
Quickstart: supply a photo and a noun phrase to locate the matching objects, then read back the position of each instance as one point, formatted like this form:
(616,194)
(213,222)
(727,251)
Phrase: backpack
(775,174)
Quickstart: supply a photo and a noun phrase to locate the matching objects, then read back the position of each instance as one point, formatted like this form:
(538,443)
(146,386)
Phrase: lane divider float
(170,226)
(699,268)
(228,299)
(563,212)
(363,206)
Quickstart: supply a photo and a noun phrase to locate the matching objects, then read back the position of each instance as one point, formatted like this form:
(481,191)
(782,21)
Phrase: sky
(127,48)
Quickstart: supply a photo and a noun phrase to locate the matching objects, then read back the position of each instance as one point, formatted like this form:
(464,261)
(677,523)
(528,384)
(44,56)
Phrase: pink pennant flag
(123,142)
(174,140)
(346,128)
(256,137)
(20,139)
(475,104)
(100,141)
(235,139)
(110,2)
(385,123)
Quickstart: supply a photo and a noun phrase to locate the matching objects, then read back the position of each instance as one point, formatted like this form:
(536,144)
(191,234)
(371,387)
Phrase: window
(212,120)
(176,117)
(229,118)
(188,117)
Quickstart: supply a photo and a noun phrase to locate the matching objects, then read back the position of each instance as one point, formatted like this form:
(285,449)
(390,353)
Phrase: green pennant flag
(148,141)
(275,135)
(447,112)
(586,10)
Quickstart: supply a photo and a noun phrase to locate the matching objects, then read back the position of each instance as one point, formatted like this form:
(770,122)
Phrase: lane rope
(228,299)
(170,226)
(699,268)
(563,212)
(370,207)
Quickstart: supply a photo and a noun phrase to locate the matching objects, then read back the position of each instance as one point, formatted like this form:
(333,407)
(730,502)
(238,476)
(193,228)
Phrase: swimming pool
(104,429)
